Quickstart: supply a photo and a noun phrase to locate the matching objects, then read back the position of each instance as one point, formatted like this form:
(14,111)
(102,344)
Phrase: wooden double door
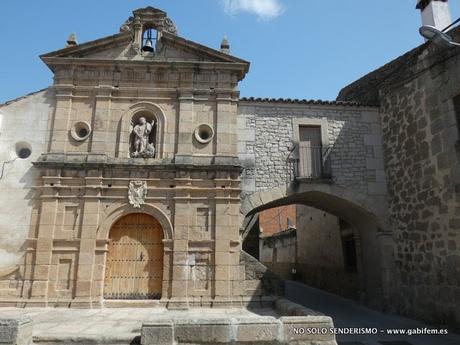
(134,268)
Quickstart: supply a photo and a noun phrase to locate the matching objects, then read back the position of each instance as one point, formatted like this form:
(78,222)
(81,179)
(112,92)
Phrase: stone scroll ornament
(137,193)
(170,26)
(141,139)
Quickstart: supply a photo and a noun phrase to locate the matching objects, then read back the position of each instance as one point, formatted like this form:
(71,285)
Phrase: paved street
(347,313)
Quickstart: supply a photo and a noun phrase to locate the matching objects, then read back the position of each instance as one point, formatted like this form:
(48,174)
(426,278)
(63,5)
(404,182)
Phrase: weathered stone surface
(210,331)
(257,330)
(16,331)
(261,330)
(158,332)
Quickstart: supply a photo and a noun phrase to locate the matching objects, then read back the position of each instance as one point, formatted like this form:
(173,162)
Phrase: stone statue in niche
(142,139)
(137,193)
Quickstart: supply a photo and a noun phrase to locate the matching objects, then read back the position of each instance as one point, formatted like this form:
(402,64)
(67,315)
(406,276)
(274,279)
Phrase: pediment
(175,47)
(111,47)
(120,47)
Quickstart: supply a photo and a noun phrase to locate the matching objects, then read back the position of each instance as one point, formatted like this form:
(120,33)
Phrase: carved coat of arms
(137,193)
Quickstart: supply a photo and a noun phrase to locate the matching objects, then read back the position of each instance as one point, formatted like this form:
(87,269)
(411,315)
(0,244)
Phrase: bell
(148,46)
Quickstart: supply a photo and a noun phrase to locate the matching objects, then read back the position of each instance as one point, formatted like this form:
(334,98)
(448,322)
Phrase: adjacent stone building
(418,95)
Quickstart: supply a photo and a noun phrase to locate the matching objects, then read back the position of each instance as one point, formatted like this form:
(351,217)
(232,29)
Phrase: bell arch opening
(134,263)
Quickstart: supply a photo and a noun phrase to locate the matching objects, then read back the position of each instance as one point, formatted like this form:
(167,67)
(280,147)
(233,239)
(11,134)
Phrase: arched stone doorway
(134,266)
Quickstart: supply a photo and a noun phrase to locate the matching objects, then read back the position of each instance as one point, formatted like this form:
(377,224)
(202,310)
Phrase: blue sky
(297,48)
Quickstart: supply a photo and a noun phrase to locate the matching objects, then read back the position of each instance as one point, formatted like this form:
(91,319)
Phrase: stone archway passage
(134,268)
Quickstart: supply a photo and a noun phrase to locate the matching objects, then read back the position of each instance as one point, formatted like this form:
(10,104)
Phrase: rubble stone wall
(420,137)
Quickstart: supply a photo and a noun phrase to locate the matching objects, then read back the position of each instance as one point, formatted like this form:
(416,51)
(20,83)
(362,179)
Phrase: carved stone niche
(143,135)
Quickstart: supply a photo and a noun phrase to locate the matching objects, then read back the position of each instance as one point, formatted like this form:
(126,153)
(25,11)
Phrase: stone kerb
(258,330)
(16,331)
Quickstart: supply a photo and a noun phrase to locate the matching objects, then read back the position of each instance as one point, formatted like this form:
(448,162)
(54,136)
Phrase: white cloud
(263,9)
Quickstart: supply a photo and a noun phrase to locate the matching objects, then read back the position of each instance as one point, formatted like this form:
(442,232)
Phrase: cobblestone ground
(349,314)
(110,325)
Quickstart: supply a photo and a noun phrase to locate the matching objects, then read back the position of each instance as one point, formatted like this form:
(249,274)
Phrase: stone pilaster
(58,137)
(44,249)
(226,125)
(180,257)
(101,138)
(223,287)
(185,123)
(86,255)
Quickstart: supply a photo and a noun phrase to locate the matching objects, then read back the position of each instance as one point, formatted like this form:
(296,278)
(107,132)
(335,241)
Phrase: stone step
(63,339)
(134,304)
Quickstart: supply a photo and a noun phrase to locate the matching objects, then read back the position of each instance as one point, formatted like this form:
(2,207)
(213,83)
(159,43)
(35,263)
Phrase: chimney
(435,13)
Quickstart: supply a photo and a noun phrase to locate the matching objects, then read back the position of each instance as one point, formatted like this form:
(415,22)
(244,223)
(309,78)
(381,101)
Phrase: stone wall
(266,132)
(279,252)
(420,138)
(23,125)
(420,141)
(315,250)
(321,260)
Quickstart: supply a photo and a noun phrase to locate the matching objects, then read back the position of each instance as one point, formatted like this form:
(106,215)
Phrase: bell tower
(435,13)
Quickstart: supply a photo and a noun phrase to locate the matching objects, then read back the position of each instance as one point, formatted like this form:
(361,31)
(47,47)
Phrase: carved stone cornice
(92,161)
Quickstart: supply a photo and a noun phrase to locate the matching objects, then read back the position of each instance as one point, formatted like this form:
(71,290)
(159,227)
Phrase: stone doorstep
(134,303)
(64,339)
(251,330)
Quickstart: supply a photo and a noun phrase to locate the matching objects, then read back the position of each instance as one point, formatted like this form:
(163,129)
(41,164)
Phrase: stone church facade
(135,140)
(134,178)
